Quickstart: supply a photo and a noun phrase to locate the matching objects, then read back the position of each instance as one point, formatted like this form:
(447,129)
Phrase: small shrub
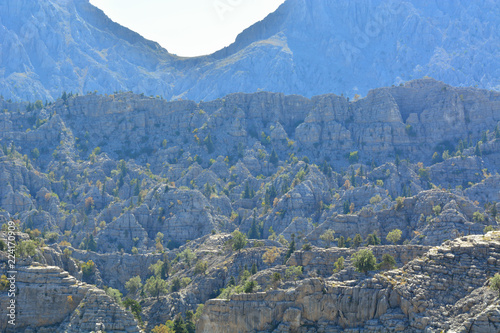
(495,283)
(394,236)
(399,203)
(271,255)
(488,228)
(364,261)
(88,269)
(388,262)
(133,285)
(353,157)
(375,199)
(250,286)
(201,267)
(239,240)
(478,217)
(293,272)
(306,247)
(339,265)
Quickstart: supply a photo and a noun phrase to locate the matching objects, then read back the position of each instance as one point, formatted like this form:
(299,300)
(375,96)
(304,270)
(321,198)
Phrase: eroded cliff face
(48,299)
(187,165)
(442,290)
(405,120)
(126,180)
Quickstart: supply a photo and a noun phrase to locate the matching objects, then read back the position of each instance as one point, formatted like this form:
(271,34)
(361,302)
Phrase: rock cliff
(48,299)
(121,182)
(442,291)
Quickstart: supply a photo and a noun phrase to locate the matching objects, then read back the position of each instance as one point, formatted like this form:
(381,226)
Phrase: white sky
(188,27)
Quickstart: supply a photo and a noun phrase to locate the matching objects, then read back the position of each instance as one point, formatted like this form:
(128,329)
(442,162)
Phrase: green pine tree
(356,242)
(291,249)
(190,324)
(274,159)
(179,326)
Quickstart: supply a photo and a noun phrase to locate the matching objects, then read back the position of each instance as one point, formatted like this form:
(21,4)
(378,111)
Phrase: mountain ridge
(306,48)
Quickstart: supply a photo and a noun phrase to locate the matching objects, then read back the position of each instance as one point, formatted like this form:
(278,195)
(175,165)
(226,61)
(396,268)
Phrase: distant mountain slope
(313,47)
(54,45)
(306,47)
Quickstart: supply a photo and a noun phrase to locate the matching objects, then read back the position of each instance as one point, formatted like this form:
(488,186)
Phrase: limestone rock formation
(124,181)
(48,299)
(432,293)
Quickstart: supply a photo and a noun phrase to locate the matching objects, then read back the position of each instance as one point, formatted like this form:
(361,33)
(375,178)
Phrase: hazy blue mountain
(50,46)
(306,47)
(312,47)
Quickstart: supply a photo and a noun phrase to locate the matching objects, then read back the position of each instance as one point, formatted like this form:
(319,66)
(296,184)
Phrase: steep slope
(131,180)
(306,47)
(55,45)
(123,168)
(314,47)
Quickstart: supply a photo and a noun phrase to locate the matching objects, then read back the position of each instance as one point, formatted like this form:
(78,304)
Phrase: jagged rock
(98,312)
(121,233)
(416,219)
(418,297)
(485,191)
(116,269)
(321,261)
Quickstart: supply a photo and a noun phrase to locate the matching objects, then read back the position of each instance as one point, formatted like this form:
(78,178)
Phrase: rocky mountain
(124,194)
(305,47)
(51,46)
(442,291)
(54,301)
(216,206)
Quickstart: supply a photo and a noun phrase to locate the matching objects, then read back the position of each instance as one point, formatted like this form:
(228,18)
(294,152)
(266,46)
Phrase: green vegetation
(200,267)
(187,256)
(356,241)
(88,270)
(339,265)
(364,261)
(239,240)
(353,157)
(394,236)
(134,307)
(478,217)
(341,242)
(436,209)
(115,294)
(488,228)
(373,239)
(291,249)
(388,262)
(399,203)
(133,285)
(293,273)
(375,199)
(328,237)
(270,256)
(495,282)
(156,286)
